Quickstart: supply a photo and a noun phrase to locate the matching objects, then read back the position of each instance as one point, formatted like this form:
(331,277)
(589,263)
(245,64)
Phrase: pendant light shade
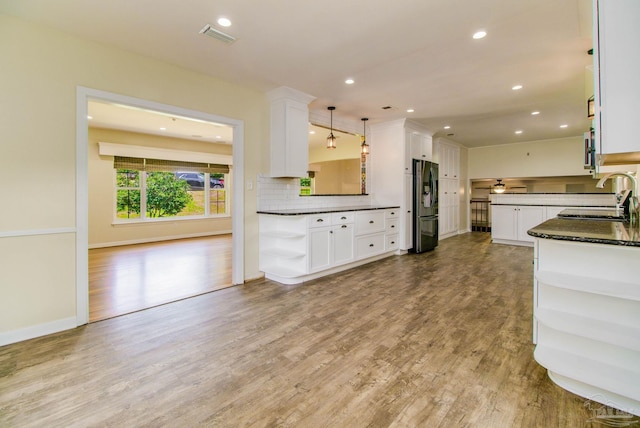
(331,140)
(499,187)
(364,147)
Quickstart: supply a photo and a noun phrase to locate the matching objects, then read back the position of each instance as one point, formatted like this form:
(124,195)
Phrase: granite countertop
(601,231)
(305,211)
(614,214)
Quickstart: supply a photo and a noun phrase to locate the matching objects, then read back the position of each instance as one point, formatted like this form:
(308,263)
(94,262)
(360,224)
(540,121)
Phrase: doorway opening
(151,256)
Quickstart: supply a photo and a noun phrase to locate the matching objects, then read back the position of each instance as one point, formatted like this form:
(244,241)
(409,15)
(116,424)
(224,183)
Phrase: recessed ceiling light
(163,129)
(89,117)
(410,110)
(516,87)
(535,113)
(349,81)
(519,131)
(447,127)
(219,137)
(312,132)
(225,22)
(564,126)
(479,34)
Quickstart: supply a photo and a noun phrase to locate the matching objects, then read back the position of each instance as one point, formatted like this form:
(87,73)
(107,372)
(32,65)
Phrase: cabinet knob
(371,221)
(393,226)
(393,212)
(371,245)
(393,242)
(344,226)
(319,220)
(343,218)
(331,231)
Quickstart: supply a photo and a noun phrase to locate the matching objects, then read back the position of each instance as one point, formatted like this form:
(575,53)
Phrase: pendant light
(364,147)
(499,187)
(331,140)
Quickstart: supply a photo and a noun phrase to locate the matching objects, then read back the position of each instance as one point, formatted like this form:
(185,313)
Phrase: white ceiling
(406,54)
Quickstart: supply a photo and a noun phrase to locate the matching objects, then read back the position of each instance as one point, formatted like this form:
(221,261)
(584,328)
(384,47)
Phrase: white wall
(102,231)
(41,71)
(546,158)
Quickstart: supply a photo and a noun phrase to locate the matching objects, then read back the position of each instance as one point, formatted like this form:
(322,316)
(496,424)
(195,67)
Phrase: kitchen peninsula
(301,244)
(587,307)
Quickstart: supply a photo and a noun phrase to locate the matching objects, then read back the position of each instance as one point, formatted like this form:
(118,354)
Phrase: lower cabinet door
(343,244)
(319,249)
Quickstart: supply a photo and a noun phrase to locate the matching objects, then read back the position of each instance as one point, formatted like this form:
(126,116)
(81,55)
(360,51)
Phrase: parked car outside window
(196,180)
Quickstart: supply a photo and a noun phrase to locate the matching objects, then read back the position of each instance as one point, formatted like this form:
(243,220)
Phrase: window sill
(138,222)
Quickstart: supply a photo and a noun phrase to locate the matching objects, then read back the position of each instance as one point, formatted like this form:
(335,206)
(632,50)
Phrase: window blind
(140,164)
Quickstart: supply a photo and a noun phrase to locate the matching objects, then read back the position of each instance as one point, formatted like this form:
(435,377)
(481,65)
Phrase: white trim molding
(38,330)
(37,232)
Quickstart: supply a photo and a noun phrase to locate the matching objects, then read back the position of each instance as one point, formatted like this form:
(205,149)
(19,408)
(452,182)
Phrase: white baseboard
(157,239)
(27,333)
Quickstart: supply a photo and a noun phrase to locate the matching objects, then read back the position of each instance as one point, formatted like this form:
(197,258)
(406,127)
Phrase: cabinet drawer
(319,220)
(342,218)
(369,222)
(391,242)
(369,245)
(394,213)
(392,225)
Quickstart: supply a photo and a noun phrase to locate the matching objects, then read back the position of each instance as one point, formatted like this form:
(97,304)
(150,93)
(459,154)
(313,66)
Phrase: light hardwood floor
(437,339)
(130,278)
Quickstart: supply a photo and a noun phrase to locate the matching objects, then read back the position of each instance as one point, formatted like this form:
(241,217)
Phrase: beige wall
(546,158)
(101,194)
(41,70)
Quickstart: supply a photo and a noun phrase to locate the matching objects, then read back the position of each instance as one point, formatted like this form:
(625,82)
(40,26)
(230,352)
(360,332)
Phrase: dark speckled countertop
(597,231)
(305,211)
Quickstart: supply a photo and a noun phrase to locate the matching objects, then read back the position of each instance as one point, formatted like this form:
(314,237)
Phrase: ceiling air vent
(208,30)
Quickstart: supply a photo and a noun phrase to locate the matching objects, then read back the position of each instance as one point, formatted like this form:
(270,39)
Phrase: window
(148,189)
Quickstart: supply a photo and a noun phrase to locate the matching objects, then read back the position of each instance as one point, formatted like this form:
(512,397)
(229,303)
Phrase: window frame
(143,218)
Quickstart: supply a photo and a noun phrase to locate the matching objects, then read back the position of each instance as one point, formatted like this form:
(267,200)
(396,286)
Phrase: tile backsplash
(284,193)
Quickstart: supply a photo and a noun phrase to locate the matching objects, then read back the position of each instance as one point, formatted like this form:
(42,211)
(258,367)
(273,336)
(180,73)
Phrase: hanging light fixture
(499,187)
(331,140)
(364,147)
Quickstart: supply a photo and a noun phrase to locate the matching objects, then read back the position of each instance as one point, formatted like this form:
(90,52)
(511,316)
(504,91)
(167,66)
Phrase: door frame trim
(83,95)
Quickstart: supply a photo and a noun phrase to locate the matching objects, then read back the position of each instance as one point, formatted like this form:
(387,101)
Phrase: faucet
(634,205)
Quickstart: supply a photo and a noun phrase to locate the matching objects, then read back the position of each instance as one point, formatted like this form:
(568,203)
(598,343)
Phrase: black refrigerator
(425,205)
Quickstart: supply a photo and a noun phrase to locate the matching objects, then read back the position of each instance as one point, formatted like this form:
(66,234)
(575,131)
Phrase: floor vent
(208,30)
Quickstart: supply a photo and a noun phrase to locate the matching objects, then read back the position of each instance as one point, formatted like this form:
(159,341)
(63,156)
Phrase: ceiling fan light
(499,187)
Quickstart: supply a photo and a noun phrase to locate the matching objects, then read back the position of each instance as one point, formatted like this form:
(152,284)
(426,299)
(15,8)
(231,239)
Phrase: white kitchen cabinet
(448,207)
(448,194)
(392,229)
(616,66)
(510,223)
(330,245)
(295,248)
(289,143)
(420,145)
(406,233)
(449,161)
(587,319)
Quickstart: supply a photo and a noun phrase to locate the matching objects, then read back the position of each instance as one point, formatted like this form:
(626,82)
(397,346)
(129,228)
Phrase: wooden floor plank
(130,278)
(436,339)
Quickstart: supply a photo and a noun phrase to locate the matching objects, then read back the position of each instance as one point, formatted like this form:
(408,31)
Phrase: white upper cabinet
(617,59)
(289,154)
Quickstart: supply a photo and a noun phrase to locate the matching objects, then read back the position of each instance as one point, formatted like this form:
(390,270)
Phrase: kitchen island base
(587,309)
